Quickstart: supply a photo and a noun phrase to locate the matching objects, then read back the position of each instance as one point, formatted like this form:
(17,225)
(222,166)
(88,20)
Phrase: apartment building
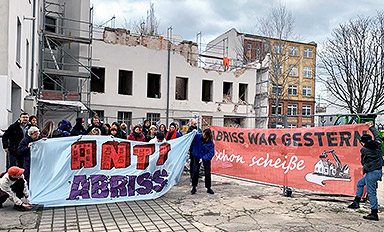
(130,83)
(291,81)
(18,66)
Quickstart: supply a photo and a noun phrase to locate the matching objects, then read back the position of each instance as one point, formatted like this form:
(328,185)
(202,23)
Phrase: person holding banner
(24,149)
(372,161)
(14,187)
(203,149)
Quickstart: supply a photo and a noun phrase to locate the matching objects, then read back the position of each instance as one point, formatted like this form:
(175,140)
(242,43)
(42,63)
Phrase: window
(243,92)
(292,90)
(258,52)
(227,92)
(50,24)
(306,110)
(153,117)
(18,43)
(125,82)
(97,79)
(292,126)
(100,114)
(26,64)
(278,69)
(279,110)
(52,83)
(274,89)
(307,72)
(292,109)
(181,88)
(125,117)
(293,51)
(249,46)
(278,48)
(307,91)
(207,91)
(308,52)
(153,85)
(293,72)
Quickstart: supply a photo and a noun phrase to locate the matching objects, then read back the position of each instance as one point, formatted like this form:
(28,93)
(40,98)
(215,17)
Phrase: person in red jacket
(136,134)
(172,132)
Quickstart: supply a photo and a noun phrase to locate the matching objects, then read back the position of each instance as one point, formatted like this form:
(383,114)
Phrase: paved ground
(235,206)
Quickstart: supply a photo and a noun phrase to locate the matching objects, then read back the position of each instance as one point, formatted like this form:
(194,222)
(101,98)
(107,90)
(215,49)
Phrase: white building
(17,66)
(133,73)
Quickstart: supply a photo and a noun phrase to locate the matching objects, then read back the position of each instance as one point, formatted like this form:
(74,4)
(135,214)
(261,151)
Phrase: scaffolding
(65,58)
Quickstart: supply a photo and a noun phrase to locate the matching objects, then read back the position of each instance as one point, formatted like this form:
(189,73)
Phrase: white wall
(142,61)
(9,70)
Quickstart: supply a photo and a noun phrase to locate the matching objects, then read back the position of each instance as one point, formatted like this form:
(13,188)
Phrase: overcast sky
(314,19)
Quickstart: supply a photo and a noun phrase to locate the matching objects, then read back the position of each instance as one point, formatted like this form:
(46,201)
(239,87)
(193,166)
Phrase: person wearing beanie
(14,187)
(372,161)
(96,123)
(113,131)
(151,133)
(120,133)
(63,130)
(136,134)
(159,138)
(172,132)
(79,129)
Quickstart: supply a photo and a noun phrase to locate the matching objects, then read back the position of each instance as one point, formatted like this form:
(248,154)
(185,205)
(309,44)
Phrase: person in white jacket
(14,187)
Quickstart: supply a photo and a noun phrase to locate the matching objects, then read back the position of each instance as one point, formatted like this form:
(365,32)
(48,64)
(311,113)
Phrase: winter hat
(365,138)
(15,171)
(173,124)
(152,126)
(113,128)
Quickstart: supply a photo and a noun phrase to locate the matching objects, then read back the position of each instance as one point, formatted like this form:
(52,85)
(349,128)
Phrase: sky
(314,19)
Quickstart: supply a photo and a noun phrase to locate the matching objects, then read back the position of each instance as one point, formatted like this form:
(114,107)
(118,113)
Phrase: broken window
(227,92)
(153,85)
(207,91)
(243,92)
(50,24)
(52,83)
(97,79)
(125,117)
(100,114)
(153,118)
(181,88)
(125,82)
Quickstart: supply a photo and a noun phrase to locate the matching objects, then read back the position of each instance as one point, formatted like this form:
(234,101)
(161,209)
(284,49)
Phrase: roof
(65,103)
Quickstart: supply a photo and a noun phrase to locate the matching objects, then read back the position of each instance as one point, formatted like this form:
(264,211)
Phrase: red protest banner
(324,159)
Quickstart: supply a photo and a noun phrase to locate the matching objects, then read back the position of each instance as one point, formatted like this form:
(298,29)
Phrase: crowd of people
(20,136)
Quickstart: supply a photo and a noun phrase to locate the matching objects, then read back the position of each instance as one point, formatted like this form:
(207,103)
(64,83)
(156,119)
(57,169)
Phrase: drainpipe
(169,70)
(33,47)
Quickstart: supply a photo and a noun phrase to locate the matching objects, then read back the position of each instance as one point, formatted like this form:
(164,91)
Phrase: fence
(280,121)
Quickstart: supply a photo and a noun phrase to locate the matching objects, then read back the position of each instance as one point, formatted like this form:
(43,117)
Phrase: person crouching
(14,187)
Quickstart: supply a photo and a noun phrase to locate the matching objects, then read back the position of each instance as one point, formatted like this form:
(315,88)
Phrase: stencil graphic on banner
(325,170)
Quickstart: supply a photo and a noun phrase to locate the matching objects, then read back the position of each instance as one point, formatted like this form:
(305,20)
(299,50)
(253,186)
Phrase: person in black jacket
(372,161)
(192,126)
(11,139)
(24,149)
(79,129)
(96,123)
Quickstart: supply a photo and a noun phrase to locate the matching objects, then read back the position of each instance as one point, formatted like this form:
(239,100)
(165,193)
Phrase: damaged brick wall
(188,49)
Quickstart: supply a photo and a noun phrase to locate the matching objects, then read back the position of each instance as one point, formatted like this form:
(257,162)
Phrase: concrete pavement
(236,206)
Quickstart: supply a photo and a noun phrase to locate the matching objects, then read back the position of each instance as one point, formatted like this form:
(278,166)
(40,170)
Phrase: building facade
(291,75)
(134,84)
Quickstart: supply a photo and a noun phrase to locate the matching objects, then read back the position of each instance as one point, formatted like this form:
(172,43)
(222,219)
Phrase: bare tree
(353,60)
(278,26)
(145,26)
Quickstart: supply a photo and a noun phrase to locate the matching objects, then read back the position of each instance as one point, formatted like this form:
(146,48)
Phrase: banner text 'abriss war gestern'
(324,159)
